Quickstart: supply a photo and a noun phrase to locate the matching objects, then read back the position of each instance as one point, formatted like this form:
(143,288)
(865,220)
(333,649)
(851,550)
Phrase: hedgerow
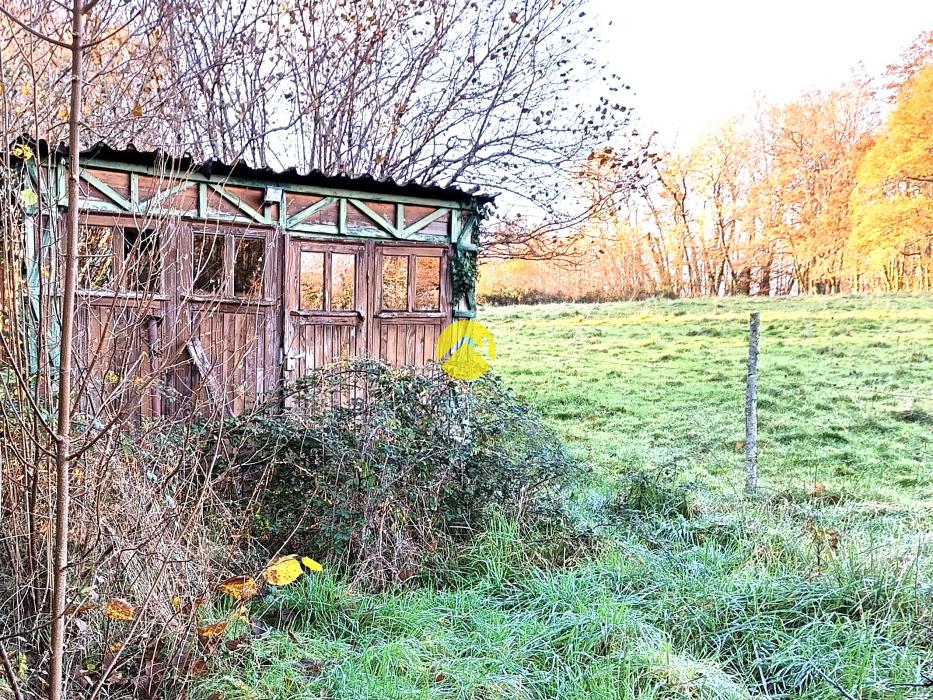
(384,469)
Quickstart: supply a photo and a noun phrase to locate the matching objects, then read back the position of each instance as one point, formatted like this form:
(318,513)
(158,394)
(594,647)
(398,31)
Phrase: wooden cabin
(220,282)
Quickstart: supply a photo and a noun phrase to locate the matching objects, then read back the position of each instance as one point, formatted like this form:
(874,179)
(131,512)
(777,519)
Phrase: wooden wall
(253,344)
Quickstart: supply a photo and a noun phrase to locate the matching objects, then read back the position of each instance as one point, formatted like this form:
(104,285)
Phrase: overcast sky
(691,65)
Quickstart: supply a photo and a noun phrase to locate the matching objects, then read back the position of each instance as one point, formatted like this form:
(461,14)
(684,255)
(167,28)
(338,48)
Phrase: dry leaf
(137,110)
(119,610)
(239,587)
(78,609)
(282,571)
(211,631)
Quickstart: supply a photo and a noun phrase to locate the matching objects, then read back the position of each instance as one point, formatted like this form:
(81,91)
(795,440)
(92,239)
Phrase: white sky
(693,64)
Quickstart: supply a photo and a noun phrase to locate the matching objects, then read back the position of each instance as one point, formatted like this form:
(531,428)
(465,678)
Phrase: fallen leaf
(282,571)
(119,610)
(311,666)
(211,631)
(239,587)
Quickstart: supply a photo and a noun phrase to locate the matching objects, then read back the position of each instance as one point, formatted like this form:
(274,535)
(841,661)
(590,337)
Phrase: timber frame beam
(439,220)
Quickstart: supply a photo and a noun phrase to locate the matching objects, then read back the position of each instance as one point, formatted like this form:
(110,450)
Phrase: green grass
(661,383)
(694,590)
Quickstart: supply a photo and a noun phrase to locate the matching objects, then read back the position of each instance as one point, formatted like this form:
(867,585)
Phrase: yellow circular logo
(460,349)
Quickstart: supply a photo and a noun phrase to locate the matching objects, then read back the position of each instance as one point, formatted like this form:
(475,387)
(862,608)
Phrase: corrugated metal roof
(315,178)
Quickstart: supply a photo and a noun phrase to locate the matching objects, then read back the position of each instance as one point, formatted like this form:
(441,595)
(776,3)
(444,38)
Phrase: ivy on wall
(463,269)
(464,265)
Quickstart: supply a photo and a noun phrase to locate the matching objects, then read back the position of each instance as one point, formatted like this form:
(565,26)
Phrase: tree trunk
(63,438)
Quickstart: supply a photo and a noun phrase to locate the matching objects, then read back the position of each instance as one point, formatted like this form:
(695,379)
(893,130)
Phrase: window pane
(427,284)
(141,265)
(395,282)
(311,293)
(247,267)
(95,257)
(343,277)
(208,263)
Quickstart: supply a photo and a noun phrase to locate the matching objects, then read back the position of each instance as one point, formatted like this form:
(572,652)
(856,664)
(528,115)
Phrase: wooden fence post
(751,407)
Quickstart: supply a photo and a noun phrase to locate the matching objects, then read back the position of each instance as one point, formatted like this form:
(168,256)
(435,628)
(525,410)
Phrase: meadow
(820,586)
(845,388)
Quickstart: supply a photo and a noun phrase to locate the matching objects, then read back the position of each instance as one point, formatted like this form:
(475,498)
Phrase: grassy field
(846,388)
(820,587)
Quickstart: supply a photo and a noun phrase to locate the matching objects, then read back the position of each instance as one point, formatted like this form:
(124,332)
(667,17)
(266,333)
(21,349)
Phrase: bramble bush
(383,470)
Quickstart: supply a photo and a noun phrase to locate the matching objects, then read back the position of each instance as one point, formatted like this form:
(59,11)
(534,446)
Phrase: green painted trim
(455,230)
(376,218)
(62,186)
(422,223)
(202,200)
(304,189)
(149,204)
(308,211)
(32,291)
(107,191)
(240,204)
(383,229)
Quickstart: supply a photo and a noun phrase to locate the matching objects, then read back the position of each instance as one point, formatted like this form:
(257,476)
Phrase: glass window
(248,267)
(311,291)
(95,257)
(427,284)
(141,260)
(208,263)
(343,278)
(395,282)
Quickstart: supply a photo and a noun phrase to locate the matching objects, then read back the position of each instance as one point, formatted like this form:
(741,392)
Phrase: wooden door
(410,301)
(325,304)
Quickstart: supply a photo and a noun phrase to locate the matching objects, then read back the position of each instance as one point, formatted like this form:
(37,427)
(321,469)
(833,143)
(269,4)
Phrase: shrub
(386,468)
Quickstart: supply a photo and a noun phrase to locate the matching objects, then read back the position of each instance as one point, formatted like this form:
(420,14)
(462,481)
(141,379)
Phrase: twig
(10,674)
(842,691)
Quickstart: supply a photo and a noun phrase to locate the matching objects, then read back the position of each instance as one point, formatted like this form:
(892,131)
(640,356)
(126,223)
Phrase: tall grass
(716,606)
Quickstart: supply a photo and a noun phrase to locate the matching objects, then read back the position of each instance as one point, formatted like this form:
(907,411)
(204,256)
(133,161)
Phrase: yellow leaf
(210,631)
(63,113)
(29,198)
(119,610)
(282,571)
(137,110)
(115,647)
(312,565)
(239,587)
(176,603)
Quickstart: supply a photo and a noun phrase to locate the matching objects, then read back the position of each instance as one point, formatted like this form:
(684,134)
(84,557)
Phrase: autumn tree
(893,202)
(814,146)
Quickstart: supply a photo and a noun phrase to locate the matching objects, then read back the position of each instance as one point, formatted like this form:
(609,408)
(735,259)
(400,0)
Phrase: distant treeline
(830,193)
